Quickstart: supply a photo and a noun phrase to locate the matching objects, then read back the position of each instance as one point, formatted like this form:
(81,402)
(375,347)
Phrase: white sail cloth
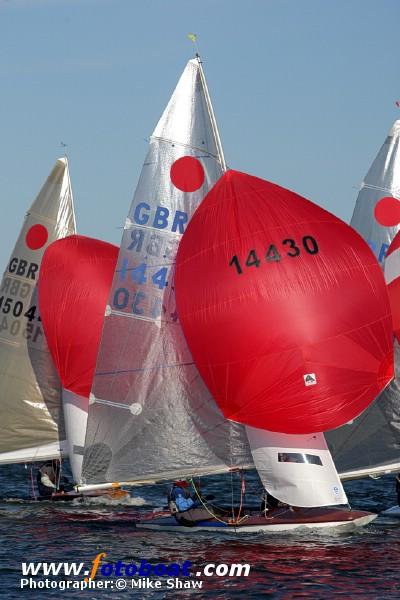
(382,180)
(75,409)
(296,469)
(371,444)
(151,416)
(31,426)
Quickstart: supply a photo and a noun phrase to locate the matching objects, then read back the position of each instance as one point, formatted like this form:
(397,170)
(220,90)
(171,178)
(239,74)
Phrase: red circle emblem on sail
(36,236)
(75,279)
(187,174)
(387,211)
(284,308)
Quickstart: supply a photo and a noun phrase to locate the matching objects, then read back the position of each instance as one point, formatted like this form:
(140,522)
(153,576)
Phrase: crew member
(184,508)
(49,480)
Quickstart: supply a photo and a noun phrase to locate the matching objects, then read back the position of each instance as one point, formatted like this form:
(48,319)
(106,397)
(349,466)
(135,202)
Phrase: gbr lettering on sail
(144,274)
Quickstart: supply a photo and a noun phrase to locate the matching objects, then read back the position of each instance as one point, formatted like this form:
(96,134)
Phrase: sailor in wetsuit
(49,480)
(186,511)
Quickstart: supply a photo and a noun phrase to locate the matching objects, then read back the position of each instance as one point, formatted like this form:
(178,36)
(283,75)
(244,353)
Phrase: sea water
(307,564)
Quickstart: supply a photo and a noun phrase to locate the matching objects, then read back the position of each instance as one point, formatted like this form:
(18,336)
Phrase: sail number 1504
(289,248)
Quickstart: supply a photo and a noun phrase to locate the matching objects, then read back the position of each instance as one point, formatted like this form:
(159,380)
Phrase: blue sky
(304,93)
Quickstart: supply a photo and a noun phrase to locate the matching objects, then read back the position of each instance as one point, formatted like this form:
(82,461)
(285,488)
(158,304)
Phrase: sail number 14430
(290,248)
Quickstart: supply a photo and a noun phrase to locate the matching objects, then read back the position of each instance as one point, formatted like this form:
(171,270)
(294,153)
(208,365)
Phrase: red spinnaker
(284,308)
(74,283)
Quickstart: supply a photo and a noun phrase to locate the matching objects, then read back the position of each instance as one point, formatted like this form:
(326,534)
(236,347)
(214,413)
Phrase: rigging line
(59,475)
(232,499)
(204,505)
(32,484)
(42,217)
(379,188)
(70,193)
(206,153)
(144,369)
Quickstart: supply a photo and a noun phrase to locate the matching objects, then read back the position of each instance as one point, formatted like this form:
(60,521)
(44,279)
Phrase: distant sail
(151,416)
(31,424)
(371,443)
(381,181)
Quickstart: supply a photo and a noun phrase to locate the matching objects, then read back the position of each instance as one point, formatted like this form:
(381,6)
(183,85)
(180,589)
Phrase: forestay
(151,415)
(31,425)
(371,444)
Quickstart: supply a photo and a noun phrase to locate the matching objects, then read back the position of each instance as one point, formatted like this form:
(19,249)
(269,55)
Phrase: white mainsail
(371,444)
(31,425)
(150,414)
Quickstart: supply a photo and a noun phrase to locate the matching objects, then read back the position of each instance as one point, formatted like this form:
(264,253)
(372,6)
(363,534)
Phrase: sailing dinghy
(151,416)
(32,420)
(295,362)
(278,520)
(32,424)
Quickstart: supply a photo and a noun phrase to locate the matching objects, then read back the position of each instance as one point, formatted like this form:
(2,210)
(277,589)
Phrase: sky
(304,93)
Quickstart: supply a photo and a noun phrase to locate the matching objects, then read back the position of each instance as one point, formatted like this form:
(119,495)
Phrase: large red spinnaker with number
(75,280)
(284,308)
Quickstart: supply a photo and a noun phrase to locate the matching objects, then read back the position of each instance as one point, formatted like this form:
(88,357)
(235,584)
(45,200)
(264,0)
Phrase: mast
(211,113)
(70,193)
